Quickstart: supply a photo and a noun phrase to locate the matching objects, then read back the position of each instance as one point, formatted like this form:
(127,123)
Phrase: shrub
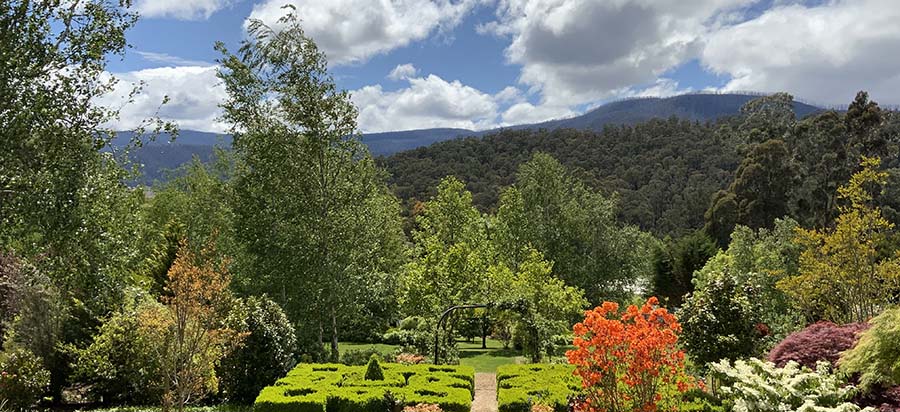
(696,400)
(373,370)
(628,361)
(411,323)
(521,387)
(336,387)
(266,354)
(356,357)
(876,358)
(718,321)
(119,366)
(822,341)
(23,379)
(757,386)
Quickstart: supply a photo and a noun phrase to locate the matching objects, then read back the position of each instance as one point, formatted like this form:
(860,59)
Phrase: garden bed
(341,388)
(520,386)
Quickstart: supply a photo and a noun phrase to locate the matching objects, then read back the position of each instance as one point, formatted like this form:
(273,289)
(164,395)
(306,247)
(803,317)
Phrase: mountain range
(158,156)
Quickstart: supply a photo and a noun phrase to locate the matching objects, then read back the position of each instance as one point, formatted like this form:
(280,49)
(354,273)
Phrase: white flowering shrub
(754,385)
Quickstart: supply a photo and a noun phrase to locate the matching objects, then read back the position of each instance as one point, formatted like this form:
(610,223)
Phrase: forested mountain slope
(662,169)
(158,156)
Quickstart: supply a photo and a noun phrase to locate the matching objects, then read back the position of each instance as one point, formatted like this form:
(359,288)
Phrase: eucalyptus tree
(573,226)
(318,225)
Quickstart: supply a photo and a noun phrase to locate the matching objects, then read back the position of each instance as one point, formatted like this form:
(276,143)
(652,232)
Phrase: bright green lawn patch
(341,388)
(520,386)
(487,360)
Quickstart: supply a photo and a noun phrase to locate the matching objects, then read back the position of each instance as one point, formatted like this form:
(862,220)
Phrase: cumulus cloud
(180,9)
(352,31)
(194,95)
(824,53)
(403,71)
(427,102)
(577,51)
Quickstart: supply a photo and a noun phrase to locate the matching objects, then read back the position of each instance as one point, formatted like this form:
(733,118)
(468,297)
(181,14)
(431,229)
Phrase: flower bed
(341,388)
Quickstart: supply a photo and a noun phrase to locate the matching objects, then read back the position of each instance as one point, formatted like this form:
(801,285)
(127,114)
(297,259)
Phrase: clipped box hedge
(342,388)
(520,386)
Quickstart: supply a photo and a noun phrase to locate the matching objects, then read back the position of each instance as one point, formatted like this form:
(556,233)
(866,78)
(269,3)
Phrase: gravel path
(485,393)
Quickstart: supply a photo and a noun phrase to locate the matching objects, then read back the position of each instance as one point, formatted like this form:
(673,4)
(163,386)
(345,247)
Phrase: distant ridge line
(754,93)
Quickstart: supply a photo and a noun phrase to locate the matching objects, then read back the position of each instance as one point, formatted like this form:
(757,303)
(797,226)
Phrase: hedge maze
(520,386)
(341,388)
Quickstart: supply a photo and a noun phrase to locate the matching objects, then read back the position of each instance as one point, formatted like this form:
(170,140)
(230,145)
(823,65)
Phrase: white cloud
(527,113)
(509,94)
(180,9)
(661,88)
(427,102)
(352,31)
(824,53)
(194,95)
(169,59)
(577,51)
(403,71)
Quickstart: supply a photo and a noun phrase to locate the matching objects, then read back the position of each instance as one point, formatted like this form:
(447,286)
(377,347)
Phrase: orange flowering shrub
(628,361)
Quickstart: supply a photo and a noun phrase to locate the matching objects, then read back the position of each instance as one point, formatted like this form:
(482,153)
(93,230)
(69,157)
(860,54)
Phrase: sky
(480,64)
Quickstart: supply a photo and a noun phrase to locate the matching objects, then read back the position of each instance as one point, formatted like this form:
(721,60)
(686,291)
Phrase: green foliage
(554,212)
(876,357)
(718,322)
(848,273)
(675,262)
(696,400)
(451,253)
(119,364)
(543,305)
(521,386)
(23,379)
(356,357)
(334,387)
(754,385)
(756,261)
(266,354)
(322,233)
(665,171)
(373,370)
(759,193)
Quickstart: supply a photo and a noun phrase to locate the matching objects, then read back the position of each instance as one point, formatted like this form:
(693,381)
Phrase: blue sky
(485,63)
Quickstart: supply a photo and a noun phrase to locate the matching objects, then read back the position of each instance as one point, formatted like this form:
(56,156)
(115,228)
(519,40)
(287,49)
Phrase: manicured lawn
(470,353)
(487,360)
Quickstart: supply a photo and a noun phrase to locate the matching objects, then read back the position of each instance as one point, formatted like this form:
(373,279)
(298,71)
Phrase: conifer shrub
(373,370)
(822,341)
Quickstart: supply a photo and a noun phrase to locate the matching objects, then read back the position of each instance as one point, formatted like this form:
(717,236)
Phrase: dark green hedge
(520,386)
(342,388)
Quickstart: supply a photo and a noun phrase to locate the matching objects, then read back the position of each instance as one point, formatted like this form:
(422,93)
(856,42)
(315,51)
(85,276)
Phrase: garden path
(485,393)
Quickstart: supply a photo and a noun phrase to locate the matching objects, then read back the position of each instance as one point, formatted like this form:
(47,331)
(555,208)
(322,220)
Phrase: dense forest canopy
(666,172)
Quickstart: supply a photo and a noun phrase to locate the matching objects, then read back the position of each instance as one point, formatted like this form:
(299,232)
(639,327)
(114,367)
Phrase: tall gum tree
(312,210)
